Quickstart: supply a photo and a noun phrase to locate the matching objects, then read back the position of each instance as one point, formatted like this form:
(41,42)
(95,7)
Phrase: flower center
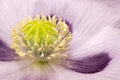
(41,38)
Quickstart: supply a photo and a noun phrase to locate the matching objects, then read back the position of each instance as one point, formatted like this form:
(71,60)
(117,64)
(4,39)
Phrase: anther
(43,38)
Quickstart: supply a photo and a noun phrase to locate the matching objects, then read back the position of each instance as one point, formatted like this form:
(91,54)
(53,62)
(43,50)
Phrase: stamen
(41,38)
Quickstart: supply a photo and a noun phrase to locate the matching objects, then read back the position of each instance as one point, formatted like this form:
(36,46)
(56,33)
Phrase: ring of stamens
(43,38)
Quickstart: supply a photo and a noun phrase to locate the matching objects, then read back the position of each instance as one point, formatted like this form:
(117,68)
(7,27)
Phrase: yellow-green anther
(40,31)
(41,38)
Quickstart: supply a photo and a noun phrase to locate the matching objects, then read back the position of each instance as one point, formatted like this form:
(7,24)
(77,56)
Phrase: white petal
(91,18)
(9,70)
(115,4)
(12,12)
(64,74)
(61,8)
(25,70)
(106,41)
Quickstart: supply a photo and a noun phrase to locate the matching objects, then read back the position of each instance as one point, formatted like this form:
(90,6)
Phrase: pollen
(43,38)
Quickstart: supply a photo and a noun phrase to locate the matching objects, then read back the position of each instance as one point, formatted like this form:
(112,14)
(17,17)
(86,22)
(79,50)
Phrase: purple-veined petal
(6,54)
(90,64)
(110,73)
(12,12)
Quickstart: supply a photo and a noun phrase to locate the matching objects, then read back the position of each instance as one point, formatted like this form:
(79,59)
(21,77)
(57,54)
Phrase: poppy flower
(59,40)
